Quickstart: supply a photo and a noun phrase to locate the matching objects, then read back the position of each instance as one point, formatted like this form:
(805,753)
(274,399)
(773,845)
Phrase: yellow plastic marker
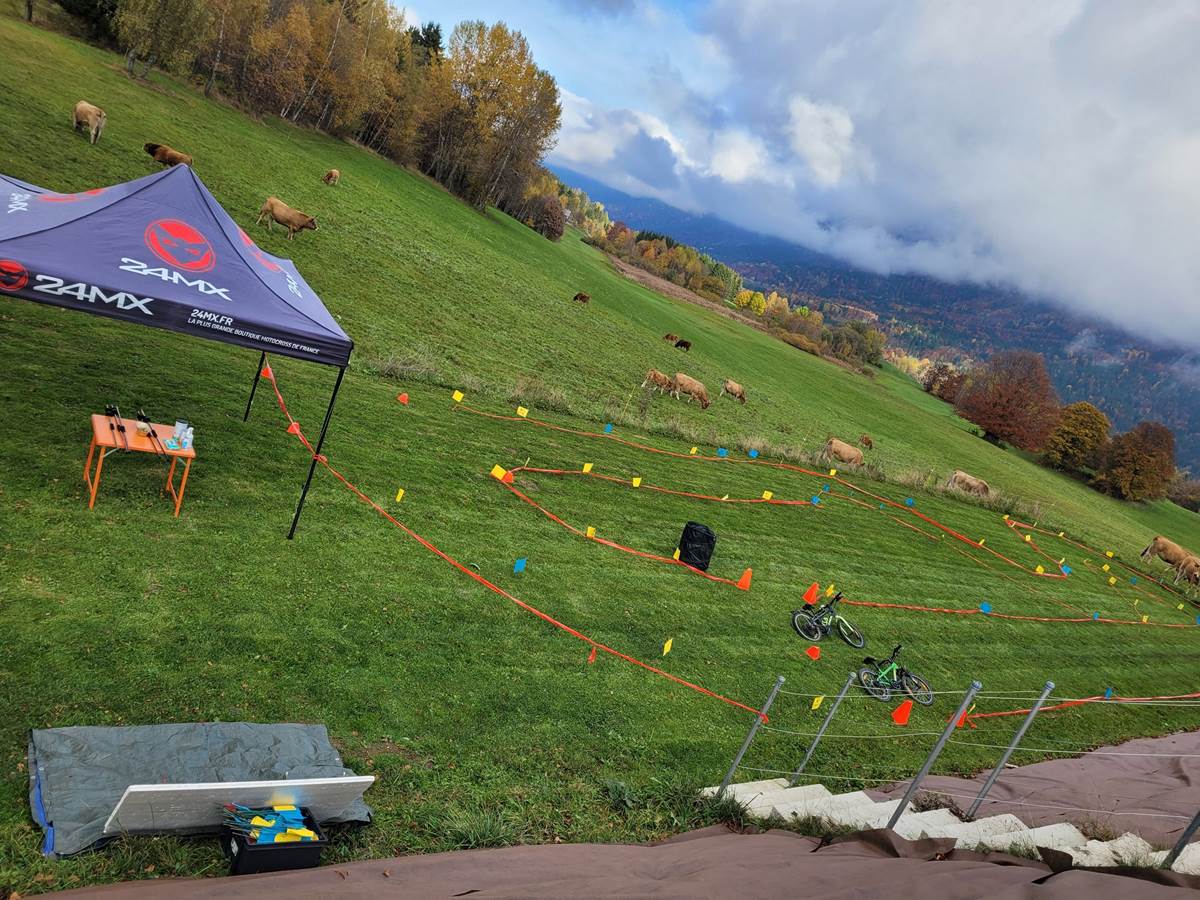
(1145,619)
(694,450)
(587,467)
(591,531)
(399,495)
(675,555)
(1105,567)
(1028,537)
(522,411)
(833,473)
(1062,534)
(1006,517)
(767,495)
(982,541)
(667,646)
(1112,580)
(816,704)
(284,808)
(1040,570)
(1108,553)
(458,396)
(637,481)
(829,590)
(498,472)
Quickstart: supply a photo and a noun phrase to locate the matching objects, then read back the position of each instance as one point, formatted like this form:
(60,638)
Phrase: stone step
(1062,836)
(748,789)
(971,834)
(822,807)
(788,797)
(1188,862)
(913,825)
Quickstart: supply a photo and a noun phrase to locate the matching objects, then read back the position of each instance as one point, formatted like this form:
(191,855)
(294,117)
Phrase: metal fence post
(991,779)
(1183,839)
(758,717)
(933,754)
(821,731)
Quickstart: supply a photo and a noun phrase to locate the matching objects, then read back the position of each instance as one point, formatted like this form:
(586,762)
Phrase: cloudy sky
(1053,145)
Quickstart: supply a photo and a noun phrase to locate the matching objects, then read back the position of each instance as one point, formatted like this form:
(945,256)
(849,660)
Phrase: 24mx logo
(89,293)
(18,202)
(137,267)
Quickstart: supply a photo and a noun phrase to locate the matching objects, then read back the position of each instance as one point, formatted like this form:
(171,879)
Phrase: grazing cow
(685,384)
(658,380)
(168,156)
(683,345)
(865,442)
(1185,564)
(91,117)
(670,338)
(582,297)
(332,177)
(275,209)
(842,452)
(968,483)
(734,390)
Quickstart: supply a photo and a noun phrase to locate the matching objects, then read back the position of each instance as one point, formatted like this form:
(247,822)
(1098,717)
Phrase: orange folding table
(107,438)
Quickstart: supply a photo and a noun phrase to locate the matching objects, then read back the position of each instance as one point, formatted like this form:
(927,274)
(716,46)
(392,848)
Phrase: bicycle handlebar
(896,651)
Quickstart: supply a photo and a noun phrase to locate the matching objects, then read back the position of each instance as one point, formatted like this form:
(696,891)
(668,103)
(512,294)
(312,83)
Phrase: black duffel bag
(696,545)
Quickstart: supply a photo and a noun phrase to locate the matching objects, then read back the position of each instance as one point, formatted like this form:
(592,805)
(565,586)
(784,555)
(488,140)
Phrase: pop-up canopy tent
(161,251)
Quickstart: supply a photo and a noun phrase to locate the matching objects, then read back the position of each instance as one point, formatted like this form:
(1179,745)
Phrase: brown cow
(333,176)
(842,452)
(683,345)
(91,117)
(670,338)
(733,389)
(1185,564)
(275,209)
(582,297)
(685,384)
(658,380)
(968,483)
(168,156)
(865,442)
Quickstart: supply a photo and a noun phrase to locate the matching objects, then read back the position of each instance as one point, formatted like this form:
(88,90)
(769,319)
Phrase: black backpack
(696,545)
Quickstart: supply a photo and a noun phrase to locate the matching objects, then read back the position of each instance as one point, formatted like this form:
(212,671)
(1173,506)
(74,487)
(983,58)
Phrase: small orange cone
(810,596)
(744,581)
(266,372)
(403,398)
(294,428)
(592,655)
(901,713)
(813,652)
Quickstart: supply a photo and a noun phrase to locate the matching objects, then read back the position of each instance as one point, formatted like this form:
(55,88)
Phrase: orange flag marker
(294,428)
(813,652)
(403,398)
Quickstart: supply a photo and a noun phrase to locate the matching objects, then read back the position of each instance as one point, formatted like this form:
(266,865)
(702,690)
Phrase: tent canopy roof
(161,251)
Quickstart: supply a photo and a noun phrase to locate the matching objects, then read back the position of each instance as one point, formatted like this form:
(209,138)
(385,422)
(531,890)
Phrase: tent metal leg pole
(262,358)
(316,452)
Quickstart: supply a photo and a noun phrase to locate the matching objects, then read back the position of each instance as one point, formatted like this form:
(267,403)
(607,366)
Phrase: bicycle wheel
(850,634)
(806,626)
(917,688)
(866,677)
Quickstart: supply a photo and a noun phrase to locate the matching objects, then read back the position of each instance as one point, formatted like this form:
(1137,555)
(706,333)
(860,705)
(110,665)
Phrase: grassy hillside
(458,701)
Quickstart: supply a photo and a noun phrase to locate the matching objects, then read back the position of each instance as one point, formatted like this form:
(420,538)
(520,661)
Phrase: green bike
(816,624)
(881,677)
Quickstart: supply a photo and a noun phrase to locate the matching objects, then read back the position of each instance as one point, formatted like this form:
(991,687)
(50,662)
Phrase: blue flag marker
(519,565)
(754,454)
(816,501)
(881,506)
(985,608)
(908,501)
(608,428)
(1095,616)
(1108,693)
(722,452)
(1066,570)
(1133,580)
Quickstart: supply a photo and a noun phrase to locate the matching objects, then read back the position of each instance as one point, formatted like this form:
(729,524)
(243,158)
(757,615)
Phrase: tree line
(1012,399)
(475,113)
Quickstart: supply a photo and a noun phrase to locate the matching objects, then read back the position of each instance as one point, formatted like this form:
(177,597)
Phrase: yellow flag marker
(694,450)
(1028,537)
(458,396)
(1006,517)
(587,467)
(767,495)
(637,481)
(1040,570)
(284,808)
(591,531)
(726,497)
(667,646)
(1145,619)
(1062,534)
(1112,580)
(829,590)
(1108,553)
(1135,602)
(1180,606)
(399,495)
(816,704)
(261,822)
(498,472)
(675,555)
(1106,567)
(1062,561)
(833,473)
(522,412)
(982,541)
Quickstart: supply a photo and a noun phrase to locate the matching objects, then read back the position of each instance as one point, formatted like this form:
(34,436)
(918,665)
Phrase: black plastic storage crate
(248,858)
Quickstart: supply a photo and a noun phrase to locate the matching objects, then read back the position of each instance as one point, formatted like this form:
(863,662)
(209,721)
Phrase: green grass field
(478,718)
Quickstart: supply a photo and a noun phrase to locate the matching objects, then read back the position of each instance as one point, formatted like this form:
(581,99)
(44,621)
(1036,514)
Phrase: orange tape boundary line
(1082,701)
(774,465)
(294,428)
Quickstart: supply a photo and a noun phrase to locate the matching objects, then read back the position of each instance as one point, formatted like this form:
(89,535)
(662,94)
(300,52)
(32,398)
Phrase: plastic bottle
(187,438)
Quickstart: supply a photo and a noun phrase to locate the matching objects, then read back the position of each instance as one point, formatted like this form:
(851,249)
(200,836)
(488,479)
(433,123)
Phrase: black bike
(881,677)
(815,624)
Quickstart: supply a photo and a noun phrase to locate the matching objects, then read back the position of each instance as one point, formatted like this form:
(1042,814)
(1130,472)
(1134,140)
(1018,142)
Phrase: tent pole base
(317,452)
(262,358)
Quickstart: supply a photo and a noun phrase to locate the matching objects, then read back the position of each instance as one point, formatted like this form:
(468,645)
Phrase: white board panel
(172,807)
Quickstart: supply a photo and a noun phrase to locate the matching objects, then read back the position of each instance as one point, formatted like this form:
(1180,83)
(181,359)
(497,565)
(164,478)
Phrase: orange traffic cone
(744,581)
(810,596)
(403,398)
(901,713)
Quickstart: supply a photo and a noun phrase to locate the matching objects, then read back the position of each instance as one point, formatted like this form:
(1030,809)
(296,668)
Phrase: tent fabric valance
(161,251)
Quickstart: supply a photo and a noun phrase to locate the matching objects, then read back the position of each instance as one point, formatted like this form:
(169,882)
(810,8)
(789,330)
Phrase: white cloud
(738,156)
(823,136)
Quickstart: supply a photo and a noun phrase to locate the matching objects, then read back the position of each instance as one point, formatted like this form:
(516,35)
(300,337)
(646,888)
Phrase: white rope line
(1089,752)
(863,737)
(830,777)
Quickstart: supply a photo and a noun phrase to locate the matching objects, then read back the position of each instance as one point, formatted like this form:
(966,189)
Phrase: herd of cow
(1185,563)
(92,119)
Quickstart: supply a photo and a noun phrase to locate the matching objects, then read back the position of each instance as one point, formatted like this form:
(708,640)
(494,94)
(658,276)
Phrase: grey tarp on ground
(713,862)
(77,775)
